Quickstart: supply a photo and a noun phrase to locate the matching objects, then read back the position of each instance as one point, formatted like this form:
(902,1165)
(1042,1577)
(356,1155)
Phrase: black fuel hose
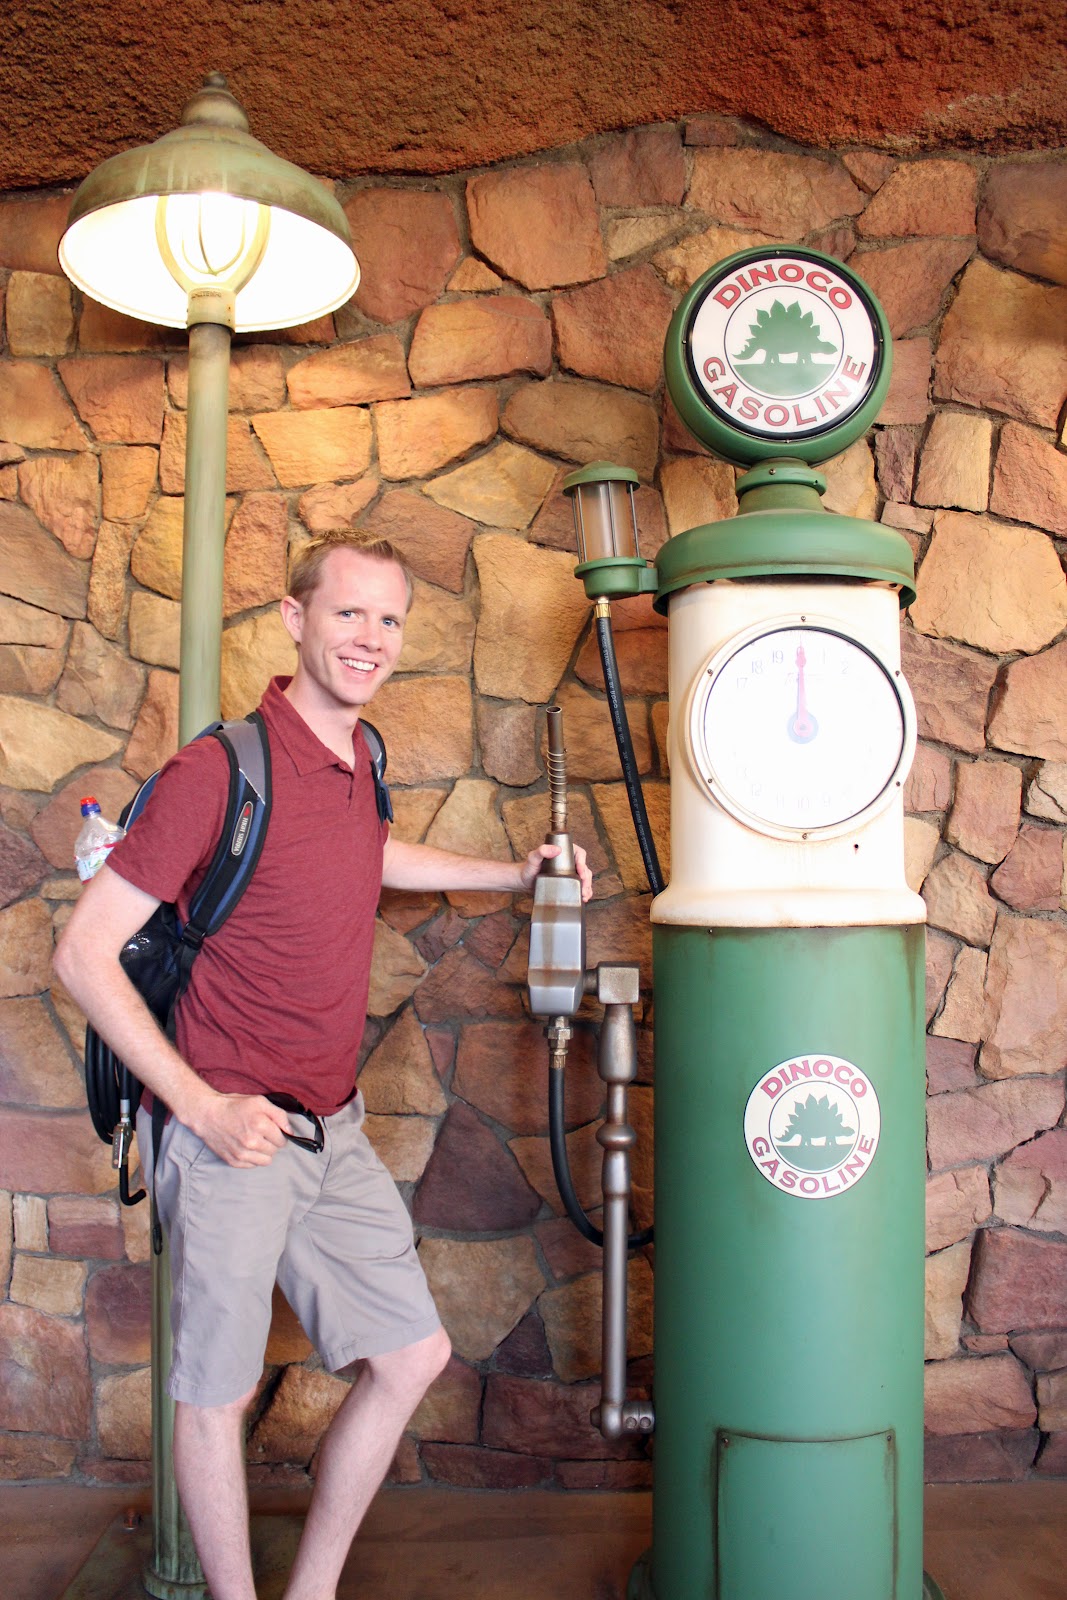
(561,1168)
(620,723)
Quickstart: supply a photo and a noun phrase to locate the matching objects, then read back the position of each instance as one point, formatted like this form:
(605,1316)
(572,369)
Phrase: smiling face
(348,630)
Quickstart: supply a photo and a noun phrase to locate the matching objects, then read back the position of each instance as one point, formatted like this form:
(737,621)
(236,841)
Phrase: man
(276,1005)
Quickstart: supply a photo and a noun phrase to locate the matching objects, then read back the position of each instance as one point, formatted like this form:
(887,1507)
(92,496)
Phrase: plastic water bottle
(96,839)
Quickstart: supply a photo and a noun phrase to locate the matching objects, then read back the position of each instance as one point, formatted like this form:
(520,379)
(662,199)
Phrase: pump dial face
(801,730)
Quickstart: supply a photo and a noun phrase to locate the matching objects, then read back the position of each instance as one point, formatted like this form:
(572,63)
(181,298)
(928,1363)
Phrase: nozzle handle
(563,864)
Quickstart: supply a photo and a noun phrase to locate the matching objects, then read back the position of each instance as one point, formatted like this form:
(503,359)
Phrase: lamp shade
(208,209)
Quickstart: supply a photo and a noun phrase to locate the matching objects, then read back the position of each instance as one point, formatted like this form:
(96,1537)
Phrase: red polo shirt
(278,997)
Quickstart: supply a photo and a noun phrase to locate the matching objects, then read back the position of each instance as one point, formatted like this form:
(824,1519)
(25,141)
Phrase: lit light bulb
(211,244)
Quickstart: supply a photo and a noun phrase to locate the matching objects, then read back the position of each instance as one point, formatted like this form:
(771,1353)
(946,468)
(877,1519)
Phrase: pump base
(640,1584)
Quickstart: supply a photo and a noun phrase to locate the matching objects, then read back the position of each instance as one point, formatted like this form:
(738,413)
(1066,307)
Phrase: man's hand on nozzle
(545,852)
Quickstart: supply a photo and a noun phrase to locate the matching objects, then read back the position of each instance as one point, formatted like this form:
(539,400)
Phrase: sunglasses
(286,1102)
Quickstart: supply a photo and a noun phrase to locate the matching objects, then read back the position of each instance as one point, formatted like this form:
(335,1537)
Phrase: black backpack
(158,959)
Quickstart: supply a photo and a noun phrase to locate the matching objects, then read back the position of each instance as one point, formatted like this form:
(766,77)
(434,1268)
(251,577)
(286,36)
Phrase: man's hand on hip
(244,1130)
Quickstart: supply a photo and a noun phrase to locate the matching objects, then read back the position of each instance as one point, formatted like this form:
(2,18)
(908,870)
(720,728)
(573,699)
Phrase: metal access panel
(805,1519)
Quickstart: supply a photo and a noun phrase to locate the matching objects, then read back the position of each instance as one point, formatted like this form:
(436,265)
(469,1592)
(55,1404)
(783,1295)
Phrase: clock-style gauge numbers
(799,729)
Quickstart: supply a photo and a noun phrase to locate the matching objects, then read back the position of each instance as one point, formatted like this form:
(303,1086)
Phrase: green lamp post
(788,970)
(205,229)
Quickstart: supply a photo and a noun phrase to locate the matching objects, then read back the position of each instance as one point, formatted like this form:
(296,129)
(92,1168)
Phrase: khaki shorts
(330,1228)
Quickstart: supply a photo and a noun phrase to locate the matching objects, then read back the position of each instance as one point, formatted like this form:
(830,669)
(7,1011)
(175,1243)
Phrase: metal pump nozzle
(557,928)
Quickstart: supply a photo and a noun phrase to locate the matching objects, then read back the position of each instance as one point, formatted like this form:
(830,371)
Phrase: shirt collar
(304,748)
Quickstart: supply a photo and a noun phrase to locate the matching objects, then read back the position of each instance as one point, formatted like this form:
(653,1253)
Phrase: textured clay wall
(510,325)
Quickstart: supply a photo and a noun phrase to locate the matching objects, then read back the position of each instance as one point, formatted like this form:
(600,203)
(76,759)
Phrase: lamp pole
(205,229)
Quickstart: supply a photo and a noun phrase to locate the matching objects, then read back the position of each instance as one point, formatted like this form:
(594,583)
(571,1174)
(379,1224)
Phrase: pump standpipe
(557,981)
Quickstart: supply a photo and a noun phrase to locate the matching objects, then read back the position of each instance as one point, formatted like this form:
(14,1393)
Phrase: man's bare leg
(356,1451)
(209,1465)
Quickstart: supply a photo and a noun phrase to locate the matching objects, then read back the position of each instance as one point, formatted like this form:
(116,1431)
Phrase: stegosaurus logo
(821,1135)
(783,331)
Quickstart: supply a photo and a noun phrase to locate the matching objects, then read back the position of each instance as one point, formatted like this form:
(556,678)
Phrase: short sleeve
(170,845)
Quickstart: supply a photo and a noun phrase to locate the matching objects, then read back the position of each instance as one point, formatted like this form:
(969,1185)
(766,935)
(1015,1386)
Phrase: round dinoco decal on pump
(778,351)
(812,1126)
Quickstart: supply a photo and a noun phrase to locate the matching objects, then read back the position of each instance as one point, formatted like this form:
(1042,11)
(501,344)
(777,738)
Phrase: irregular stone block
(413,811)
(502,1069)
(433,540)
(29,1456)
(438,633)
(1031,875)
(1030,480)
(1052,1401)
(921,840)
(641,654)
(956,1203)
(993,1457)
(546,1419)
(696,490)
(399,1076)
(644,167)
(1031,1185)
(404,1144)
(417,437)
(88,1229)
(40,321)
(26,670)
(21,865)
(1019,1282)
(1026,998)
(1031,711)
(973,1396)
(301,1410)
(472,1183)
(919,192)
(286,1342)
(35,1066)
(630,236)
(55,1287)
(39,745)
(106,602)
(507,742)
(482,1288)
(1047,793)
(155,733)
(1021,221)
(118,1315)
(910,280)
(36,569)
(532,612)
(990,584)
(946,1279)
(128,474)
(614,330)
(336,505)
(613,806)
(895,451)
(426,723)
(406,242)
(460,987)
(850,485)
(949,1065)
(470,339)
(450,1410)
(396,970)
(99,681)
(538,225)
(981,1124)
(254,572)
(1044,1352)
(474,277)
(350,374)
(30,231)
(619,930)
(908,400)
(961,1015)
(954,470)
(784,195)
(46,1385)
(503,488)
(245,466)
(582,422)
(985,815)
(34,411)
(254,652)
(467,1466)
(999,348)
(119,397)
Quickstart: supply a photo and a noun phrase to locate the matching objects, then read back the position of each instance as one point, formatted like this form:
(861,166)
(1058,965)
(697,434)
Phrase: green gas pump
(788,968)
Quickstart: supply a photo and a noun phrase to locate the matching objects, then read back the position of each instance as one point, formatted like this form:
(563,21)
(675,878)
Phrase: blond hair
(306,566)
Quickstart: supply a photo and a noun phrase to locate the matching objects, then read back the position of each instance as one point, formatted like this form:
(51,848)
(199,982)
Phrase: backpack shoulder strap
(244,828)
(378,761)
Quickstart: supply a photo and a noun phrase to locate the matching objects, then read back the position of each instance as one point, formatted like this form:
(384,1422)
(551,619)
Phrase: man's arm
(244,1130)
(421,867)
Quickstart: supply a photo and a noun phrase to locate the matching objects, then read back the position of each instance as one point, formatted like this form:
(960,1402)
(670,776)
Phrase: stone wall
(509,325)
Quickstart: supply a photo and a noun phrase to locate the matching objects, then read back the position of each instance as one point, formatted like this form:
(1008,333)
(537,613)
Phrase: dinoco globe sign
(812,1126)
(782,348)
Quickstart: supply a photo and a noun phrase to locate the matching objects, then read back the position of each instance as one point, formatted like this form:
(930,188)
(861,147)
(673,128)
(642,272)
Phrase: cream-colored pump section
(729,873)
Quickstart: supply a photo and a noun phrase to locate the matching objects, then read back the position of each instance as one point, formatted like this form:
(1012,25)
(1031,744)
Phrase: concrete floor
(983,1542)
